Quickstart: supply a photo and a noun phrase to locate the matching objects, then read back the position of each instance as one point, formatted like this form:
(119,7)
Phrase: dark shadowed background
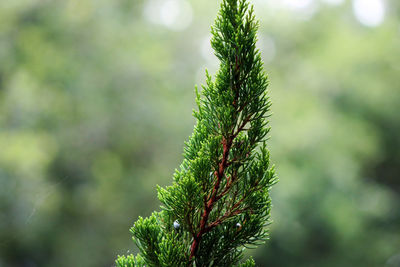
(95,105)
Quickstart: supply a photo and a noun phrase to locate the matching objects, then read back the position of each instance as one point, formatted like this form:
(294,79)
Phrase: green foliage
(94,106)
(130,261)
(249,263)
(220,194)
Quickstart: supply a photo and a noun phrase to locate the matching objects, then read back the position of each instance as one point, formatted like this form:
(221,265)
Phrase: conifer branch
(225,177)
(210,204)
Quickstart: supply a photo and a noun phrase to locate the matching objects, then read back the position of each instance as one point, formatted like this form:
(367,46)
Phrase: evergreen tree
(219,202)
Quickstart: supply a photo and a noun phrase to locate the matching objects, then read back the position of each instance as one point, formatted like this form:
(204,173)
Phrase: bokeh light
(334,2)
(174,14)
(369,12)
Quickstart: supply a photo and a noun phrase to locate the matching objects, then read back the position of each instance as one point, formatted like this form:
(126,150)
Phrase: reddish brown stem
(227,143)
(214,195)
(228,185)
(210,204)
(223,218)
(232,212)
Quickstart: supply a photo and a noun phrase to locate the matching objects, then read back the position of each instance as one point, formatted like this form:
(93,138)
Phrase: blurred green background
(96,100)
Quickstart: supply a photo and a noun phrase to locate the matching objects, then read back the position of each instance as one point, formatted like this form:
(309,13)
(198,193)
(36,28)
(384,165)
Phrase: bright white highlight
(298,4)
(369,12)
(174,14)
(211,61)
(334,2)
(302,9)
(206,50)
(267,47)
(207,53)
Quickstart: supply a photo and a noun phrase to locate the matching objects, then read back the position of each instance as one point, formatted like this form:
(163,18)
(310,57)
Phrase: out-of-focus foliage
(95,103)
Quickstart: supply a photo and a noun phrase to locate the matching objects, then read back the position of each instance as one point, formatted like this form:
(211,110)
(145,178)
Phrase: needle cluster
(219,201)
